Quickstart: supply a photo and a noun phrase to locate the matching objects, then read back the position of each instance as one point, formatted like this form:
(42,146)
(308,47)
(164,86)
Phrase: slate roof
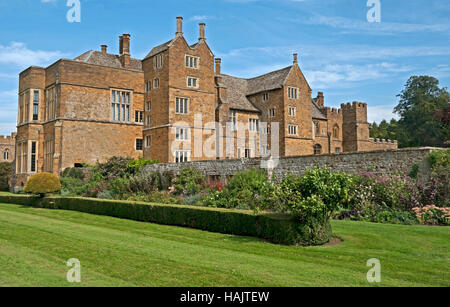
(271,81)
(316,113)
(159,49)
(237,93)
(108,60)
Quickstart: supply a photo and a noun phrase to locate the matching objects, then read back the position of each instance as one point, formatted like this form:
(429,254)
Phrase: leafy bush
(275,228)
(135,166)
(73,172)
(440,174)
(5,175)
(160,197)
(432,215)
(394,217)
(247,190)
(189,181)
(319,192)
(114,167)
(414,171)
(73,186)
(137,184)
(43,183)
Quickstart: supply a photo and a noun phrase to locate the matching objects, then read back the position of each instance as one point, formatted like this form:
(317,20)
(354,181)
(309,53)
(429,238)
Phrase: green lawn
(36,243)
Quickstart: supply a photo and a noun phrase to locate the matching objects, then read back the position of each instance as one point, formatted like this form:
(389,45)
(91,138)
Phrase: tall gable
(271,81)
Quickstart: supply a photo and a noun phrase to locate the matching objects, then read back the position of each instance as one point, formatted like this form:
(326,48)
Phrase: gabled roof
(159,49)
(316,113)
(108,60)
(237,93)
(271,81)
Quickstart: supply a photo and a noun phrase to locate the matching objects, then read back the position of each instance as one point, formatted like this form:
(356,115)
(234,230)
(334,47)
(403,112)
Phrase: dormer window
(192,61)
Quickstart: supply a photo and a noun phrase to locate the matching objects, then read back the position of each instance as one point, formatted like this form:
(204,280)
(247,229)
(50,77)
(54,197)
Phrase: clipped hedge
(281,229)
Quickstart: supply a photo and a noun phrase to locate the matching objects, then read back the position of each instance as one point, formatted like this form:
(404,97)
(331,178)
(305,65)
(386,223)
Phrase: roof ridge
(272,72)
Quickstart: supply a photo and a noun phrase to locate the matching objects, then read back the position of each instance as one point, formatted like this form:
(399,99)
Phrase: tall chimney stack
(179,26)
(320,100)
(124,50)
(295,58)
(202,31)
(218,62)
(104,49)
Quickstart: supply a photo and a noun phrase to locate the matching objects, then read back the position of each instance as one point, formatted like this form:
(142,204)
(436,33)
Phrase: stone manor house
(171,105)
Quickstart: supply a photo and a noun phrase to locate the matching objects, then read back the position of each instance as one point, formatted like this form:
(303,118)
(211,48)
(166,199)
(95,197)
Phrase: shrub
(73,172)
(137,184)
(43,183)
(319,192)
(247,190)
(135,166)
(414,171)
(114,167)
(73,186)
(394,217)
(275,228)
(440,174)
(161,197)
(432,215)
(5,175)
(189,181)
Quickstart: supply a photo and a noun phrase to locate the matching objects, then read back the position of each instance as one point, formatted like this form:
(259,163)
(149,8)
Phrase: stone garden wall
(380,162)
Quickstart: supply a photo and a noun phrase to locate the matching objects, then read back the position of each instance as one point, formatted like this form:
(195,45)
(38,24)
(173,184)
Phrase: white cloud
(200,18)
(18,54)
(384,27)
(342,76)
(8,101)
(378,113)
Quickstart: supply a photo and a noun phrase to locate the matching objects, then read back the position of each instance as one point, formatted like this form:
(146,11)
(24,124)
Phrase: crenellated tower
(355,127)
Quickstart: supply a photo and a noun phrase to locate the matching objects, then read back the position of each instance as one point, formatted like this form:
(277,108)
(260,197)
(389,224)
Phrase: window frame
(293,92)
(120,110)
(187,63)
(183,104)
(148,141)
(253,124)
(291,129)
(182,134)
(141,144)
(186,154)
(232,119)
(190,78)
(292,111)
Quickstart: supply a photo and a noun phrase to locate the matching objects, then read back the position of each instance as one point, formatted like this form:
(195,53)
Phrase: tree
(5,175)
(424,111)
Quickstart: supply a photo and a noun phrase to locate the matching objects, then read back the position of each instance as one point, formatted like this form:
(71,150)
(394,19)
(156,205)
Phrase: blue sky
(341,53)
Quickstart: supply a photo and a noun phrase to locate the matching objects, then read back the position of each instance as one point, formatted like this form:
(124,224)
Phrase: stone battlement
(8,139)
(383,141)
(333,111)
(354,105)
